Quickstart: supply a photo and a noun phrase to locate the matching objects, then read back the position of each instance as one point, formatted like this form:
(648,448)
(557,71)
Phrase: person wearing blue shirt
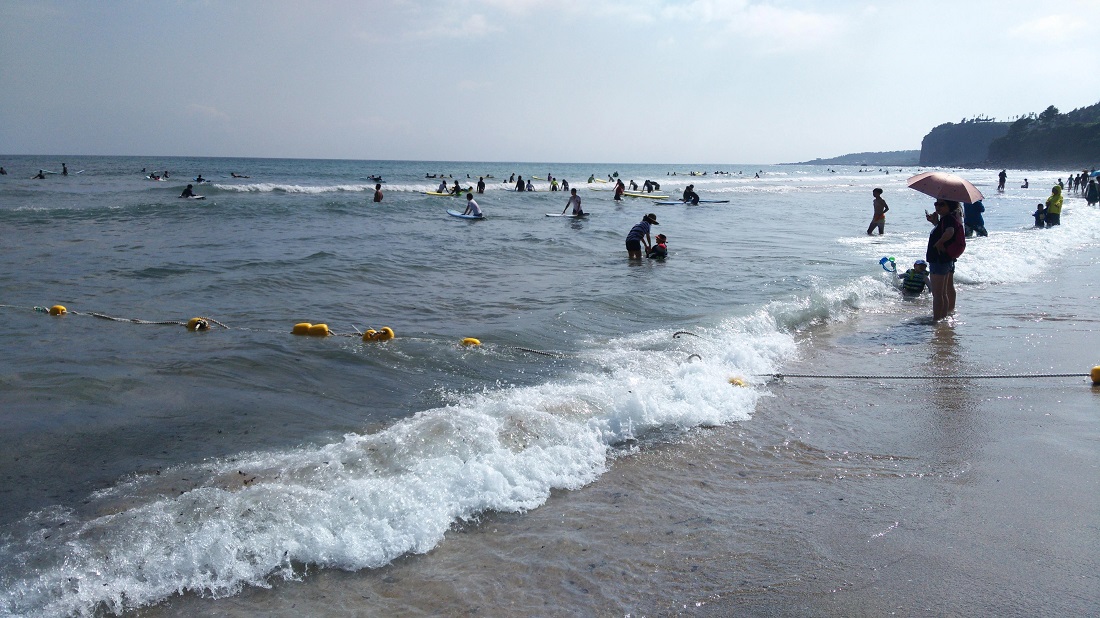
(973,222)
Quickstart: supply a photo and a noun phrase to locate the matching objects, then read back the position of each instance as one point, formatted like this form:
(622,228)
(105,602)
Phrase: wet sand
(839,498)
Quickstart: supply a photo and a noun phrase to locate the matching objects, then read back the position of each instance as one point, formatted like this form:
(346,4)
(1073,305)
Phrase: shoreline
(838,498)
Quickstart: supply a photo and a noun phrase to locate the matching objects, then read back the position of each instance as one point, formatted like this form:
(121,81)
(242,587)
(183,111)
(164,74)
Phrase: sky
(602,81)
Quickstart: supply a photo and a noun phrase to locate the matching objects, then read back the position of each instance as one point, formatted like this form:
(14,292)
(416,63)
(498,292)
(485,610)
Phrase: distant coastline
(897,157)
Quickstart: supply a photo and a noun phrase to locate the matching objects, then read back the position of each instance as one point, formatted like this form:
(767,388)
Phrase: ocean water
(142,461)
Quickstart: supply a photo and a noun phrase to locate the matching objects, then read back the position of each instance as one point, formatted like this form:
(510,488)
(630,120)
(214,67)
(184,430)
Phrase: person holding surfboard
(472,208)
(575,202)
(187,192)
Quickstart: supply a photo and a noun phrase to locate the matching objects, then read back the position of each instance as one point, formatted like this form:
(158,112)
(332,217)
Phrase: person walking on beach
(1054,206)
(575,202)
(377,193)
(973,222)
(878,219)
(943,244)
(1001,178)
(639,234)
(471,206)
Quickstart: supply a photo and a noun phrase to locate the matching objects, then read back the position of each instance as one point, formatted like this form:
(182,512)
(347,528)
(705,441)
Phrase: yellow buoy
(471,341)
(197,324)
(58,310)
(301,328)
(378,335)
(737,381)
(318,330)
(1095,375)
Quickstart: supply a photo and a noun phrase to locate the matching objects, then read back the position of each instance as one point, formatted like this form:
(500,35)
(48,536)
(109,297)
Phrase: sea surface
(143,464)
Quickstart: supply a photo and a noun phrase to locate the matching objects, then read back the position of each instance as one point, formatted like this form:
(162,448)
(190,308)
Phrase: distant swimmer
(64,170)
(878,219)
(512,178)
(41,175)
(471,206)
(1001,178)
(549,178)
(199,179)
(236,175)
(530,185)
(481,185)
(3,172)
(188,192)
(377,193)
(520,185)
(575,202)
(592,178)
(1024,186)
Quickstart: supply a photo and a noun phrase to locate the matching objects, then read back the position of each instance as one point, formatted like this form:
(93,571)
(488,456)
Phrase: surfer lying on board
(575,202)
(471,206)
(187,192)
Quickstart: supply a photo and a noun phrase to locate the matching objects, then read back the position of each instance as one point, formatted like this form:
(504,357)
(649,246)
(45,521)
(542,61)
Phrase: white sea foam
(368,499)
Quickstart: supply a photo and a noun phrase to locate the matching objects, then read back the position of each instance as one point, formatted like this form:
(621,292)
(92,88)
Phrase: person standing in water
(941,266)
(1001,178)
(878,219)
(575,202)
(481,185)
(1054,206)
(639,234)
(378,192)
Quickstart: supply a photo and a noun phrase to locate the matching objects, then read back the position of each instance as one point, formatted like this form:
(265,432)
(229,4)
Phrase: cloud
(473,26)
(1056,29)
(205,111)
(768,28)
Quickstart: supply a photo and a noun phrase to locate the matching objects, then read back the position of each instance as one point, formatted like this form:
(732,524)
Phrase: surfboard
(568,216)
(438,193)
(649,196)
(196,197)
(700,201)
(455,213)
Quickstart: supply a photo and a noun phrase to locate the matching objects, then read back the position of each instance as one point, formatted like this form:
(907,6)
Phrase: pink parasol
(942,185)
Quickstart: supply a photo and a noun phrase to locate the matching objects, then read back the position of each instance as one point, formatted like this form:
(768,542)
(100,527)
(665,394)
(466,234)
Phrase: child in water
(1040,215)
(659,250)
(915,279)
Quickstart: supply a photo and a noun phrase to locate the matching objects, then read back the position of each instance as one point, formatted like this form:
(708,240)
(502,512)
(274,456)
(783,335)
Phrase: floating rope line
(550,354)
(203,319)
(781,376)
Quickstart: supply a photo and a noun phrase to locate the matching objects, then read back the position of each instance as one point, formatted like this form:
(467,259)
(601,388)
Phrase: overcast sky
(646,81)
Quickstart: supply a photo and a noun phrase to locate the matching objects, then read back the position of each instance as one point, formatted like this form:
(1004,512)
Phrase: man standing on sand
(879,218)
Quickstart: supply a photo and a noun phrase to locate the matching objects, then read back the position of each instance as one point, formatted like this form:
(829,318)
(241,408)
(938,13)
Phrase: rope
(137,321)
(910,377)
(550,354)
